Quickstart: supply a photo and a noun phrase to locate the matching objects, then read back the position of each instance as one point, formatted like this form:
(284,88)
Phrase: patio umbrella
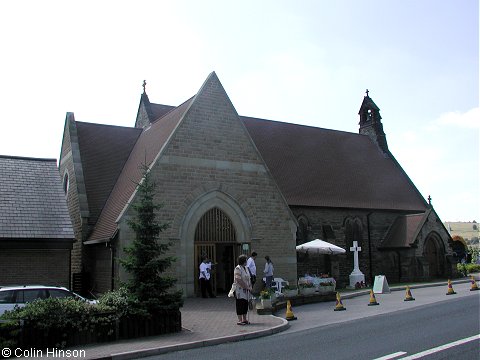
(318,246)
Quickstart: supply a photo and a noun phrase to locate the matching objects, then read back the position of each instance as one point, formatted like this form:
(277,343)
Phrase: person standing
(252,267)
(205,274)
(268,272)
(243,287)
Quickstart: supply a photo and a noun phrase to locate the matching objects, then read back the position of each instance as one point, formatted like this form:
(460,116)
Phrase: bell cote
(371,124)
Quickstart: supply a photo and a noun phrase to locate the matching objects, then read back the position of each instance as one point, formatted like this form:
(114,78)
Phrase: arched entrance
(434,254)
(190,250)
(216,238)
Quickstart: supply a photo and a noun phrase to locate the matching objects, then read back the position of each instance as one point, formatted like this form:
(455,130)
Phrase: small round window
(65,183)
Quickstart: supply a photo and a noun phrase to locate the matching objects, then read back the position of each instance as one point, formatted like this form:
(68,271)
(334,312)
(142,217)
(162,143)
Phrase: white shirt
(268,269)
(251,266)
(204,271)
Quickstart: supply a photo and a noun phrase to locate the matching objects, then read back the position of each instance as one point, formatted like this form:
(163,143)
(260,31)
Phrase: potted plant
(266,298)
(326,287)
(290,291)
(307,289)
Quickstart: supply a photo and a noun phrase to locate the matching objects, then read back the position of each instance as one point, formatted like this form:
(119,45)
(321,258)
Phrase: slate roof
(312,166)
(32,201)
(404,230)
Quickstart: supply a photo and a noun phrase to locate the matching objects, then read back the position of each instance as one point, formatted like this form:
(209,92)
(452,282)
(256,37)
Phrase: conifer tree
(148,285)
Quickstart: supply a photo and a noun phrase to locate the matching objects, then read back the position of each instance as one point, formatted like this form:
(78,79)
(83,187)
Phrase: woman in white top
(243,287)
(268,272)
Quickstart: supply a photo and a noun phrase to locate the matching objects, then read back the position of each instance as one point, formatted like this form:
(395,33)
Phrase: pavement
(213,321)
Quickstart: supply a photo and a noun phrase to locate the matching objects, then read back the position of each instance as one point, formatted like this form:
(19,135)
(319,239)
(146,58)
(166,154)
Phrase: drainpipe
(112,262)
(369,248)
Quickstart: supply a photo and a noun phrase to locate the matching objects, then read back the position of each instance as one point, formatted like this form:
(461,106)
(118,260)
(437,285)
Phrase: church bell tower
(371,124)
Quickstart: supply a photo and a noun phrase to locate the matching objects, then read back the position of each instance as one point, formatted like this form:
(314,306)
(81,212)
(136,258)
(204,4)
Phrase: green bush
(59,315)
(466,269)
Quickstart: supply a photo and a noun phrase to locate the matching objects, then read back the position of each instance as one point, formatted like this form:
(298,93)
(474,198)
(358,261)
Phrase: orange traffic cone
(289,315)
(373,301)
(338,305)
(474,285)
(408,295)
(450,288)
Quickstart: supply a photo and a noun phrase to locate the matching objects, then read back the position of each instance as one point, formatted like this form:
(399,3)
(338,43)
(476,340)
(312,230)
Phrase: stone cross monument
(356,276)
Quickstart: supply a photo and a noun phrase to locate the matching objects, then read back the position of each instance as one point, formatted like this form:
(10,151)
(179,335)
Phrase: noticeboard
(380,286)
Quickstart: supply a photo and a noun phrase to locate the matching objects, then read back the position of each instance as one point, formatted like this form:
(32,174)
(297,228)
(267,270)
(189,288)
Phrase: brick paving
(204,322)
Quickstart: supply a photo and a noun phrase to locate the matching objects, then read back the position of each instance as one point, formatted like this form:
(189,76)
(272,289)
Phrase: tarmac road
(367,332)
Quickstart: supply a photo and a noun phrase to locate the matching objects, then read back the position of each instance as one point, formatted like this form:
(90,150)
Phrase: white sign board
(380,286)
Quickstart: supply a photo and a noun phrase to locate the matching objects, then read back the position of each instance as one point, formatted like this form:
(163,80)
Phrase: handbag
(231,293)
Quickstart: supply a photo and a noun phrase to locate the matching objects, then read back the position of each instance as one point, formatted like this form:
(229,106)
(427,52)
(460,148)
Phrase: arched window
(353,230)
(66,183)
(303,230)
(215,227)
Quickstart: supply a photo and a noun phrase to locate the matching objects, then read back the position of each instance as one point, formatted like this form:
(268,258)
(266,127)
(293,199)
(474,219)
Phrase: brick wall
(42,267)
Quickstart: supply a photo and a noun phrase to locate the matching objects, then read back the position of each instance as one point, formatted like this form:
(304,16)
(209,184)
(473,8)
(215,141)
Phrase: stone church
(232,184)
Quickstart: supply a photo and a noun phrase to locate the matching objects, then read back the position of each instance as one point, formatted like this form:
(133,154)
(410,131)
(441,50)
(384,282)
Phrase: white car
(11,296)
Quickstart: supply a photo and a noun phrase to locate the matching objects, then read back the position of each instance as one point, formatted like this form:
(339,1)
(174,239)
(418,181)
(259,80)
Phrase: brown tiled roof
(403,231)
(32,200)
(159,110)
(146,149)
(329,168)
(104,149)
(312,167)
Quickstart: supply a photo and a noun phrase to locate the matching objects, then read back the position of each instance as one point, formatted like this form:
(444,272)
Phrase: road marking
(441,348)
(391,356)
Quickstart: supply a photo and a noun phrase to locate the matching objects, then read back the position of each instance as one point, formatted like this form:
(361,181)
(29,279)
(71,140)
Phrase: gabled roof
(104,150)
(404,231)
(159,110)
(145,150)
(312,166)
(32,201)
(329,168)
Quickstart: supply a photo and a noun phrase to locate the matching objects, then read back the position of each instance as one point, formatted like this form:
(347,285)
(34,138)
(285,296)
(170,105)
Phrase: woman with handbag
(243,287)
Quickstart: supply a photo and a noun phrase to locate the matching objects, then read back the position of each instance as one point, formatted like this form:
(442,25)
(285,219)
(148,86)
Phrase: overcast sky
(305,62)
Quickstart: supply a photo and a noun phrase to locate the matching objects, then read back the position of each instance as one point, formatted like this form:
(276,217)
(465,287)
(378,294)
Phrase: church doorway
(434,256)
(216,238)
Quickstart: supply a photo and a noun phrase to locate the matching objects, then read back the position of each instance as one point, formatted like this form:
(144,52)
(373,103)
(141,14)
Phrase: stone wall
(398,265)
(70,163)
(211,161)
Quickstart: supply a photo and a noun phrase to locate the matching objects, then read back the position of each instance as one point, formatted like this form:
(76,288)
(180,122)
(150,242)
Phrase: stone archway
(434,255)
(223,203)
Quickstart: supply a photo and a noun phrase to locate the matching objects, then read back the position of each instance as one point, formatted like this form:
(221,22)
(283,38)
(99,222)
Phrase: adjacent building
(36,234)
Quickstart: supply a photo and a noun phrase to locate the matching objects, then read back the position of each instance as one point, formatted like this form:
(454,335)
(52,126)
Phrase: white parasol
(318,246)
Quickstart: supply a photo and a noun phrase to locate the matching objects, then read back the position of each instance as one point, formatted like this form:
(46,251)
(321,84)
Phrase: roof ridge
(110,125)
(27,158)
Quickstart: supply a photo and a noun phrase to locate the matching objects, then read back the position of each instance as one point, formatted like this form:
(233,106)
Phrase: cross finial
(429,200)
(144,85)
(367,92)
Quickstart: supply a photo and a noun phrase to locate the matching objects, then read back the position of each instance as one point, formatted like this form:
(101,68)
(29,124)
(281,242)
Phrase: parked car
(11,296)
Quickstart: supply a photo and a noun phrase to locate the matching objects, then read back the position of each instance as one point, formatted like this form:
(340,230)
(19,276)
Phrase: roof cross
(367,92)
(144,85)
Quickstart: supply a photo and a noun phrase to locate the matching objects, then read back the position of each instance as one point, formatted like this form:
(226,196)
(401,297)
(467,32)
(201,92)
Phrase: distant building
(233,184)
(36,234)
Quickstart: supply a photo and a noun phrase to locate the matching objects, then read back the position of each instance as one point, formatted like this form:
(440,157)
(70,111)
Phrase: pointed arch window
(65,183)
(215,227)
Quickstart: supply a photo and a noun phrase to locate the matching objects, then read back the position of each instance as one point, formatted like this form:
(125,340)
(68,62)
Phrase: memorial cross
(355,249)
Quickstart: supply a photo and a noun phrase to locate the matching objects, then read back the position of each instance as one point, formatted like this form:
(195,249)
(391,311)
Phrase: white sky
(306,62)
